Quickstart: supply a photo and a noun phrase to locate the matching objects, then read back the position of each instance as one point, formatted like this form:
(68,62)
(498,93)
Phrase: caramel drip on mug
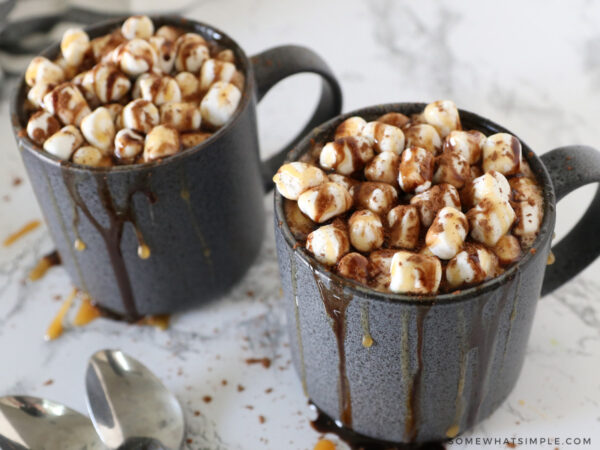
(367,339)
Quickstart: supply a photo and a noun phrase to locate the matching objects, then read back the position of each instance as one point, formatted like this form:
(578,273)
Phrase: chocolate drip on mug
(336,303)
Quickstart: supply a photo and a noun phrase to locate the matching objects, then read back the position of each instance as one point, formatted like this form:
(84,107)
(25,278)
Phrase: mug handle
(570,168)
(275,64)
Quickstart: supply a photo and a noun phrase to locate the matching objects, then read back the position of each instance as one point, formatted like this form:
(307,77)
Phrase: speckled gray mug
(441,364)
(200,212)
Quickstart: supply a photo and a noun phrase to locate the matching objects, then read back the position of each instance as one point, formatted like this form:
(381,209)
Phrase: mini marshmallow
(219,103)
(103,45)
(443,115)
(384,168)
(352,126)
(507,249)
(366,230)
(347,182)
(447,233)
(165,53)
(325,201)
(346,155)
(404,226)
(135,57)
(214,70)
(66,102)
(467,143)
(181,116)
(158,89)
(424,136)
(354,266)
(114,110)
(452,168)
(37,93)
(42,70)
(328,244)
(502,153)
(162,141)
(489,185)
(41,126)
(98,129)
(471,266)
(428,203)
(376,197)
(189,85)
(128,144)
(137,27)
(90,156)
(168,32)
(192,51)
(529,217)
(226,55)
(412,273)
(194,138)
(300,225)
(140,115)
(526,190)
(416,170)
(394,118)
(74,45)
(64,142)
(490,219)
(384,137)
(294,178)
(106,82)
(380,264)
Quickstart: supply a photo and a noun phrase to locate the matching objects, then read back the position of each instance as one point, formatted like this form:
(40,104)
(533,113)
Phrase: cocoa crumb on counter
(240,388)
(250,407)
(48,382)
(223,382)
(262,419)
(196,413)
(17,181)
(266,362)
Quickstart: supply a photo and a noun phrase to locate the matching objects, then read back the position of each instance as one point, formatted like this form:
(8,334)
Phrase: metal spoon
(39,424)
(128,404)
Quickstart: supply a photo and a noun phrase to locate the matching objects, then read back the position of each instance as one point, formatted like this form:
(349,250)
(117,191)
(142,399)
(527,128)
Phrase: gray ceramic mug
(437,365)
(199,213)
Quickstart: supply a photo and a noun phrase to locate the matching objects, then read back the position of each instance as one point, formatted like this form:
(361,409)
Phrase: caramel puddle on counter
(56,328)
(24,230)
(43,265)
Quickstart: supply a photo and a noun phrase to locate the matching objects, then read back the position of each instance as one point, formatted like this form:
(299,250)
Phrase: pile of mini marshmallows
(130,96)
(414,205)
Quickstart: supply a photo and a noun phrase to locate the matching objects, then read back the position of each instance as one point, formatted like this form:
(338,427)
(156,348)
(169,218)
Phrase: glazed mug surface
(408,369)
(164,236)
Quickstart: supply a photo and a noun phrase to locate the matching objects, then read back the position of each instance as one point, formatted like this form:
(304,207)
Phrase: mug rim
(98,29)
(324,132)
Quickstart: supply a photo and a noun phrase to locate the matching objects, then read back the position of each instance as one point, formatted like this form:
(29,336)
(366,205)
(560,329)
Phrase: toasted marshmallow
(294,178)
(135,57)
(325,201)
(300,225)
(412,273)
(64,142)
(489,185)
(42,70)
(467,143)
(37,93)
(490,219)
(214,70)
(162,141)
(471,266)
(66,102)
(376,197)
(502,153)
(193,138)
(384,137)
(74,45)
(165,53)
(90,156)
(107,82)
(347,182)
(346,155)
(383,168)
(354,266)
(328,244)
(226,55)
(140,115)
(529,217)
(189,85)
(424,136)
(192,51)
(137,27)
(404,226)
(41,126)
(428,203)
(394,118)
(452,168)
(219,103)
(352,126)
(366,230)
(507,249)
(380,264)
(443,115)
(181,116)
(447,233)
(128,144)
(98,129)
(103,45)
(168,32)
(416,170)
(159,90)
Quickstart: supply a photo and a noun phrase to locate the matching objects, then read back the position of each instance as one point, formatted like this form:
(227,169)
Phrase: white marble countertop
(532,66)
